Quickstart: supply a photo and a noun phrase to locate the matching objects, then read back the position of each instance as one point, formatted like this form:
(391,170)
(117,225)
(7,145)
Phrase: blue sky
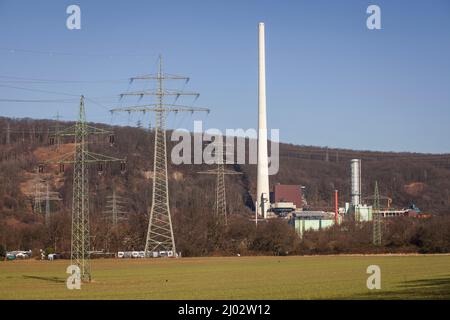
(330,80)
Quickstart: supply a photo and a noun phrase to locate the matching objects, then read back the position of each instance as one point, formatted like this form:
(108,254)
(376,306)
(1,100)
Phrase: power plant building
(287,193)
(312,220)
(363,213)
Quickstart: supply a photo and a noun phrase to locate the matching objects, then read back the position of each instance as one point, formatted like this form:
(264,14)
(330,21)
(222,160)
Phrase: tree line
(192,199)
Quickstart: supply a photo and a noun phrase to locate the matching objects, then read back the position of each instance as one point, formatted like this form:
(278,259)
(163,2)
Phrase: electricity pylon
(38,195)
(376,217)
(55,137)
(42,194)
(220,172)
(47,206)
(115,208)
(81,158)
(160,231)
(48,197)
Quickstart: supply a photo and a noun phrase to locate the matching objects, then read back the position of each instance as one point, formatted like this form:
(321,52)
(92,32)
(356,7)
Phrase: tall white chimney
(355,165)
(262,190)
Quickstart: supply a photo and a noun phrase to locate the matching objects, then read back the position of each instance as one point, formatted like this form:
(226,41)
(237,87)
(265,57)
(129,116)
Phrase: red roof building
(288,193)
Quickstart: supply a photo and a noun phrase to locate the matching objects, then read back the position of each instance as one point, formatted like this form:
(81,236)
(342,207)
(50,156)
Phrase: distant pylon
(54,135)
(160,231)
(42,194)
(221,200)
(220,204)
(115,208)
(57,128)
(38,195)
(376,217)
(47,205)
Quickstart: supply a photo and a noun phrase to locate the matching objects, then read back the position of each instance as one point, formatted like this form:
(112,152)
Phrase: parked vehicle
(53,256)
(10,256)
(163,253)
(18,254)
(21,255)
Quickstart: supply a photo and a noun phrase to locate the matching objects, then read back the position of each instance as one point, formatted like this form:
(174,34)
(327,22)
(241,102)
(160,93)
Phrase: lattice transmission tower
(54,136)
(37,197)
(81,158)
(160,231)
(115,208)
(220,204)
(43,195)
(377,233)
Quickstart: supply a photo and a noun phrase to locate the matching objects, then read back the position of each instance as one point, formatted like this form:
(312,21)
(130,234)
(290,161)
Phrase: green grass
(318,277)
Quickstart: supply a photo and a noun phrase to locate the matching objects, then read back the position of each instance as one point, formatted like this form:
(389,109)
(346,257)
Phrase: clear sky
(330,80)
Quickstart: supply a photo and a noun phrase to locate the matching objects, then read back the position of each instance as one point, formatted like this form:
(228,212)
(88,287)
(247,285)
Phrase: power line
(56,81)
(60,53)
(37,100)
(40,90)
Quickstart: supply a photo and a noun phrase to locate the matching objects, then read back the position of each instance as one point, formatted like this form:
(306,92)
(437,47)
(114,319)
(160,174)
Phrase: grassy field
(318,277)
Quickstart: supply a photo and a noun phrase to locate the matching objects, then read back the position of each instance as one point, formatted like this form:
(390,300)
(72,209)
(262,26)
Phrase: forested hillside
(423,179)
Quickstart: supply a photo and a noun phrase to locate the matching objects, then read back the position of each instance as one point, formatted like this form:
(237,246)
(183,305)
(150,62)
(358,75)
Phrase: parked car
(10,256)
(22,255)
(53,256)
(163,253)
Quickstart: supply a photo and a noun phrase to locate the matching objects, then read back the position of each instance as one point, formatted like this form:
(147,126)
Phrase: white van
(163,253)
(21,255)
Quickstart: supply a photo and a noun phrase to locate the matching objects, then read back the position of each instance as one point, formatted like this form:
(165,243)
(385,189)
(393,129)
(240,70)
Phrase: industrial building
(286,198)
(312,220)
(289,201)
(287,193)
(363,212)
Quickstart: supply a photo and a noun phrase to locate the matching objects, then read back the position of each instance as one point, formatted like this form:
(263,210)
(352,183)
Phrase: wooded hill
(422,179)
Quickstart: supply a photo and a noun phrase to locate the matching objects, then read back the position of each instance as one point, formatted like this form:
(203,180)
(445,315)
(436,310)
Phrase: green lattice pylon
(80,159)
(376,217)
